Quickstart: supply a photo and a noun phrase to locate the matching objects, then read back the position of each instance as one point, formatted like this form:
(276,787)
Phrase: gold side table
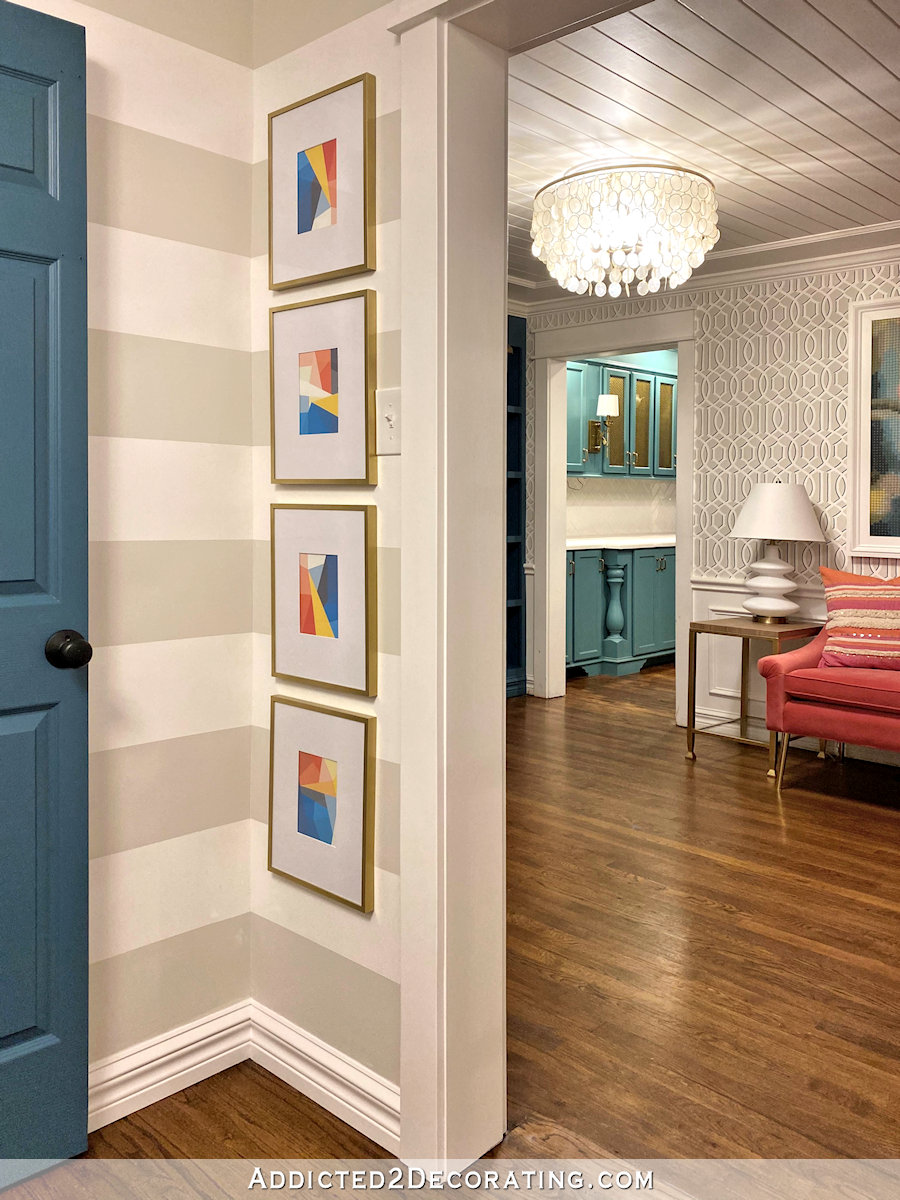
(746,629)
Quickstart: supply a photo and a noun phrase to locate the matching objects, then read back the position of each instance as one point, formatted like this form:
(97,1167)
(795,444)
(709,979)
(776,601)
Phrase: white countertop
(625,541)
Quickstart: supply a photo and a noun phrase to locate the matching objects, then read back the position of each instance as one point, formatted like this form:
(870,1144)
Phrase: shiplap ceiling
(790,107)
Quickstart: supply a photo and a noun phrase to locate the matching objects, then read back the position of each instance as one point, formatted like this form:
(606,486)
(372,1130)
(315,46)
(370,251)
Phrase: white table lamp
(775,512)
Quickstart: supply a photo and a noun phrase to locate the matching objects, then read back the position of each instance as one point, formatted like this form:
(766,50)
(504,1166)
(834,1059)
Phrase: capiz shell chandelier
(600,229)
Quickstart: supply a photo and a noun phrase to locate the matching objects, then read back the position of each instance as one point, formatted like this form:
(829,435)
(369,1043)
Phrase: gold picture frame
(364,770)
(363,660)
(367,359)
(281,273)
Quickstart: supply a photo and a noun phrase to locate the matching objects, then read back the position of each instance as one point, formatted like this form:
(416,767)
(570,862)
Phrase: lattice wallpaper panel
(770,402)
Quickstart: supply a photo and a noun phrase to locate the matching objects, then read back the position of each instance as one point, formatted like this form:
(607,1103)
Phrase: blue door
(43,588)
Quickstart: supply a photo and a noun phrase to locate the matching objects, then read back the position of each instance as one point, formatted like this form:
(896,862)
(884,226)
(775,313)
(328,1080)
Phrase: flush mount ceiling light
(598,230)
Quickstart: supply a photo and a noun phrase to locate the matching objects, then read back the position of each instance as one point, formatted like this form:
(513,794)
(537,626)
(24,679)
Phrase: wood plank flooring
(695,969)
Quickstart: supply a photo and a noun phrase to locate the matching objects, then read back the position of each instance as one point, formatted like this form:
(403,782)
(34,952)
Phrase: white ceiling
(789,106)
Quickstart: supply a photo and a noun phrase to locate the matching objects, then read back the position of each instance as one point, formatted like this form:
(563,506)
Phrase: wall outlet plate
(387,420)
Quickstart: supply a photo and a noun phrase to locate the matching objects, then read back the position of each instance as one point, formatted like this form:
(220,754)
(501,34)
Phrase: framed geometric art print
(321,800)
(322,384)
(324,624)
(322,185)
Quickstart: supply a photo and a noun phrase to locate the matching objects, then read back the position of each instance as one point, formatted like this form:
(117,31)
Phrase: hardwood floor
(695,969)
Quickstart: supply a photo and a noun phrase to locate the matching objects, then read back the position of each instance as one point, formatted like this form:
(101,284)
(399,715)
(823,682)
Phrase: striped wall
(293,926)
(185,918)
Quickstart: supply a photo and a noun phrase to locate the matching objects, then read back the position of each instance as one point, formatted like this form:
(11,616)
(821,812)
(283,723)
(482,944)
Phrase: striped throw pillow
(863,623)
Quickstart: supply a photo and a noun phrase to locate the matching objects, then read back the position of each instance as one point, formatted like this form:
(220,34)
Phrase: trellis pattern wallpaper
(771,379)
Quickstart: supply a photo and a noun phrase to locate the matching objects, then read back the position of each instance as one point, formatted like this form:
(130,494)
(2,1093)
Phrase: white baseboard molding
(124,1082)
(356,1094)
(131,1080)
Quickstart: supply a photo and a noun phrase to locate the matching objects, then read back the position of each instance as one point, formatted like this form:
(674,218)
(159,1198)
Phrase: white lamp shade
(778,512)
(607,405)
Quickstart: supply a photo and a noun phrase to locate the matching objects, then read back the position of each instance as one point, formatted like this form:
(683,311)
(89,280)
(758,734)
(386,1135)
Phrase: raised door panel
(664,601)
(615,454)
(666,423)
(587,603)
(643,408)
(644,607)
(576,432)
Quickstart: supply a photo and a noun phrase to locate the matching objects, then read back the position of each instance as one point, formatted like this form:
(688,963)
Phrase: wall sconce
(607,406)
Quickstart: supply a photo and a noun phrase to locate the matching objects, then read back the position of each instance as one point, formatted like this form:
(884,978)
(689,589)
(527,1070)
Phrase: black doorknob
(67,648)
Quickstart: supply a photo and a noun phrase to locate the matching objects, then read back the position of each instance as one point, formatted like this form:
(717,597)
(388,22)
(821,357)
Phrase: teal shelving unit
(515,507)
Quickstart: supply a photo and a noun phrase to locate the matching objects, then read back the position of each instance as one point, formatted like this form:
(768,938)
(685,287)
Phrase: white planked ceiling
(789,106)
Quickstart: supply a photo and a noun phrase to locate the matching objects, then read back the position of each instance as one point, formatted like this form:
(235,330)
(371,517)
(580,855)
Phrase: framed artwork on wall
(874,466)
(324,623)
(322,185)
(322,800)
(322,364)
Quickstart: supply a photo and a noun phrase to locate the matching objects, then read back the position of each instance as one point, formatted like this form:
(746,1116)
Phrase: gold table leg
(692,693)
(745,682)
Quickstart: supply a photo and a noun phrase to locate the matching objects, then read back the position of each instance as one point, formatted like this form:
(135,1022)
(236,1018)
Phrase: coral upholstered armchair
(818,691)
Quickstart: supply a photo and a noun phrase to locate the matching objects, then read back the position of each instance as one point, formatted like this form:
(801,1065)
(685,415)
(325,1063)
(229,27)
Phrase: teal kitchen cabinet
(653,628)
(642,423)
(588,606)
(615,457)
(640,441)
(576,430)
(583,381)
(515,507)
(664,441)
(620,608)
(570,598)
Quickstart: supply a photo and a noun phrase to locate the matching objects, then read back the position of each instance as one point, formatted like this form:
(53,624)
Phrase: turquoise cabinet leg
(615,614)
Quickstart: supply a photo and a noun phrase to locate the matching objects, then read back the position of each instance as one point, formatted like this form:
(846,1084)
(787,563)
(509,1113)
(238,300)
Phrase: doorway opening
(621,461)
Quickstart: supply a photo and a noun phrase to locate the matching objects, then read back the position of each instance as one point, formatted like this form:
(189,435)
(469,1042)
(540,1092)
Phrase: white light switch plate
(387,420)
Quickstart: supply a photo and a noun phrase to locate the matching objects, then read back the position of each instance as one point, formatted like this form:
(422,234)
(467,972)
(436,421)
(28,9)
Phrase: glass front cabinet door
(642,424)
(666,402)
(615,452)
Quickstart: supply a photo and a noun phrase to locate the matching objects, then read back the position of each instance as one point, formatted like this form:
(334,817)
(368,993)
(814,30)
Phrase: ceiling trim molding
(809,239)
(513,25)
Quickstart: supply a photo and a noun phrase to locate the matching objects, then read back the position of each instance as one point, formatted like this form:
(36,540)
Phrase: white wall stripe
(165,289)
(145,490)
(150,691)
(153,892)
